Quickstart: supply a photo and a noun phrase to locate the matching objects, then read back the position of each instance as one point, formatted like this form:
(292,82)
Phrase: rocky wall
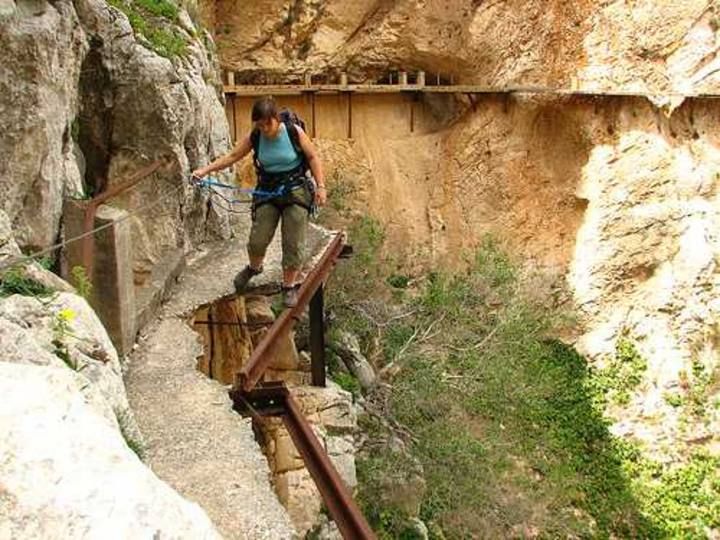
(85,102)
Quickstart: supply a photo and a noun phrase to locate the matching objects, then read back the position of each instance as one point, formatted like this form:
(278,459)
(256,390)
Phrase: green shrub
(61,331)
(680,500)
(503,420)
(160,8)
(621,376)
(15,281)
(398,282)
(347,382)
(82,283)
(146,18)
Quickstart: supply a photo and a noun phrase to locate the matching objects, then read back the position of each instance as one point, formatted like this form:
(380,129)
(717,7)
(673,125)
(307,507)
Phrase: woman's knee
(262,231)
(293,236)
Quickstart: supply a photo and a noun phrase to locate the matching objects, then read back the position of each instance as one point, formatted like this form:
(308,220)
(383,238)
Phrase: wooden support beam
(234,119)
(412,114)
(314,123)
(349,111)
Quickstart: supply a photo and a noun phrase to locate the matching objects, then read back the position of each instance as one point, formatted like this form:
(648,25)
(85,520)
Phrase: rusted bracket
(253,370)
(88,243)
(274,399)
(230,323)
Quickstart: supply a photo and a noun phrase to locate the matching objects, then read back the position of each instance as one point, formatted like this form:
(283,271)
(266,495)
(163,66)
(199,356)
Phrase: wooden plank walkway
(299,89)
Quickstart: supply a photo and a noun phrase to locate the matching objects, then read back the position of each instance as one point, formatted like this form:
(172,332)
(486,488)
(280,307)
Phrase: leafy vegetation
(346,381)
(16,281)
(61,331)
(149,19)
(82,283)
(681,501)
(695,393)
(616,382)
(506,422)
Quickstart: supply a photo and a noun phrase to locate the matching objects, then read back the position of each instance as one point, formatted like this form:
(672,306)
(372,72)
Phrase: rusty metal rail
(88,243)
(253,370)
(274,399)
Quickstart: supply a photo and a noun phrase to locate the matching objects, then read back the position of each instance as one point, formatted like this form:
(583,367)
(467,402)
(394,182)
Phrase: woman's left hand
(321,196)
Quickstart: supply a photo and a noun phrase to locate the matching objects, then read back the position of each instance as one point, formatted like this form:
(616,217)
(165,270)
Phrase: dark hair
(264,108)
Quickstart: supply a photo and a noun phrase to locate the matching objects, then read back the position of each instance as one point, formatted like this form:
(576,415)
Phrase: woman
(282,158)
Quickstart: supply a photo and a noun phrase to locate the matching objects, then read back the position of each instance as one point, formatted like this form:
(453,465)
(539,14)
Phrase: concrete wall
(113,294)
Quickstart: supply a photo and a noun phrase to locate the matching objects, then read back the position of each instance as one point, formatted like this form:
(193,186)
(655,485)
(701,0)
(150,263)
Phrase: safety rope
(49,249)
(210,182)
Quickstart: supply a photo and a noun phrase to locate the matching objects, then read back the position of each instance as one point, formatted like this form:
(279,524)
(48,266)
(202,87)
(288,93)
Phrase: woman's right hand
(199,173)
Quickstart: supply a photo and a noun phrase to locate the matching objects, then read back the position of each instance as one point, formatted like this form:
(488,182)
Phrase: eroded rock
(63,331)
(347,348)
(68,473)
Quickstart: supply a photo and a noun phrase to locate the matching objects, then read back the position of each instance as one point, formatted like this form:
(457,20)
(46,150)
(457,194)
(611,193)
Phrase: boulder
(32,334)
(68,473)
(347,347)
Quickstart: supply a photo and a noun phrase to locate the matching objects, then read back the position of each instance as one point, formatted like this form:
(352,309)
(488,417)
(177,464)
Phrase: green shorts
(294,216)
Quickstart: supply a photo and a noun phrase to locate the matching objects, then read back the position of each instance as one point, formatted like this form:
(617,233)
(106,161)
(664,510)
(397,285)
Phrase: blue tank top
(278,155)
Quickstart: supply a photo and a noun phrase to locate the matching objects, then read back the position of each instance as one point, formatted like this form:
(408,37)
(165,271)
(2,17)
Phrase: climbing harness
(270,190)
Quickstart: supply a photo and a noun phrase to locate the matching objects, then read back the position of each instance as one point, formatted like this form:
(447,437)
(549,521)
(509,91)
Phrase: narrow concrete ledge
(149,297)
(195,441)
(209,274)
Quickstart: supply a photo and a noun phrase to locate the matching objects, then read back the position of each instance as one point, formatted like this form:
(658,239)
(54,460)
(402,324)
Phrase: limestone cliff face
(615,195)
(483,42)
(651,46)
(84,103)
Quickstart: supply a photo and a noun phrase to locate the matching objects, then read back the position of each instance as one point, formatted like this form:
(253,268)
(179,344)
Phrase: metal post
(274,399)
(254,368)
(317,337)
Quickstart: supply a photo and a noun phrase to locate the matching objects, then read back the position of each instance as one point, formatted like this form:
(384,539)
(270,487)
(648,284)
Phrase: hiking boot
(243,276)
(290,295)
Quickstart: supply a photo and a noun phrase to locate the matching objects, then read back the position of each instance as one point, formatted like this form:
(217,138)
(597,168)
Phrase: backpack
(291,120)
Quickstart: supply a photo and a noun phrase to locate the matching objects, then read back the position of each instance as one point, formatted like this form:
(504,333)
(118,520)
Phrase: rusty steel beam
(88,243)
(229,323)
(274,399)
(317,337)
(253,370)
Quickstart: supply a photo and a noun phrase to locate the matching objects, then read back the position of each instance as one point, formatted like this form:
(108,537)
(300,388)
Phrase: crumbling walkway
(195,441)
